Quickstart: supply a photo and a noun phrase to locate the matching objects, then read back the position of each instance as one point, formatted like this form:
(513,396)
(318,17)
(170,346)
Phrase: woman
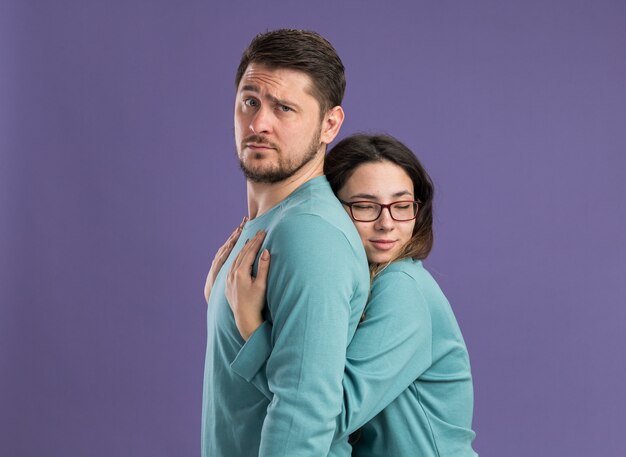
(407,383)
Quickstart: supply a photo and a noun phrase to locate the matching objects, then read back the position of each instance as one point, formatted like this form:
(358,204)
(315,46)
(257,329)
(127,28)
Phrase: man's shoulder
(315,212)
(312,222)
(302,226)
(314,198)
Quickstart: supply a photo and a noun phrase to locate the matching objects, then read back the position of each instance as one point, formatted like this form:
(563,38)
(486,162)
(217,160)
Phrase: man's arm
(311,285)
(390,349)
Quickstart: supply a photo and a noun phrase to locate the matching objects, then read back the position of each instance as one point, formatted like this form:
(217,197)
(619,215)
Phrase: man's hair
(304,51)
(359,149)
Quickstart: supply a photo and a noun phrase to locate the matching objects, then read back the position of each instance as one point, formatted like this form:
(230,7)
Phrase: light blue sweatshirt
(407,384)
(317,287)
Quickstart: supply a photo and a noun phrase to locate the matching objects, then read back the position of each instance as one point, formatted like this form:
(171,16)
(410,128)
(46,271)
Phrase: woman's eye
(363,206)
(402,206)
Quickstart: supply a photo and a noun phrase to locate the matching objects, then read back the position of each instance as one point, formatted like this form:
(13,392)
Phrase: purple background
(118,182)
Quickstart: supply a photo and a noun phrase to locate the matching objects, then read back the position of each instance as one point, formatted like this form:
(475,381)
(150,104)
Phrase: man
(290,85)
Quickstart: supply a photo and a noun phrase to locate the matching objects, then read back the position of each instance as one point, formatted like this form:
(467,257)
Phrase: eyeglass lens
(370,211)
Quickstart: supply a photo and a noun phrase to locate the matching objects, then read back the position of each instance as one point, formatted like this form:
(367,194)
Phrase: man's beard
(283,170)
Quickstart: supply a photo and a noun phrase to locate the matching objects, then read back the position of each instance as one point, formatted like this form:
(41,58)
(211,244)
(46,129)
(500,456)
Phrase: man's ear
(331,124)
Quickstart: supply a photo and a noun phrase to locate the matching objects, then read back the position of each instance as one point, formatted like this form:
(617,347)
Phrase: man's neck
(263,196)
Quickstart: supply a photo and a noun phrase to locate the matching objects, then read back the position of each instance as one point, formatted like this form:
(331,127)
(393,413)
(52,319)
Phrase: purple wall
(118,183)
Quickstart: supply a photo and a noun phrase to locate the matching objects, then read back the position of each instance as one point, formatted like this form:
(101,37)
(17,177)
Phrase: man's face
(277,123)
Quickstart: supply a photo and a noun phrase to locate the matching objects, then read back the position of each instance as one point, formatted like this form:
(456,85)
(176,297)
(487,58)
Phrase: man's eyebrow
(278,101)
(271,98)
(250,88)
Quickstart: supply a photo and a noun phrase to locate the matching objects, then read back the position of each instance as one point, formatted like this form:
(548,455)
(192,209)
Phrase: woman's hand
(219,259)
(244,292)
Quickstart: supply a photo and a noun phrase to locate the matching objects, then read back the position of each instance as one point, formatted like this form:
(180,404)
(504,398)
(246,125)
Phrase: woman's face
(380,182)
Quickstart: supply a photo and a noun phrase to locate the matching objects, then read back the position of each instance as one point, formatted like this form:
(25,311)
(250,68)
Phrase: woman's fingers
(224,251)
(249,252)
(253,252)
(262,270)
(232,239)
(220,257)
(234,267)
(242,265)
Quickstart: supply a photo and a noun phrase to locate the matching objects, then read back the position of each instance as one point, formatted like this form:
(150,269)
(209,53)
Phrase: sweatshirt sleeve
(311,286)
(391,348)
(252,358)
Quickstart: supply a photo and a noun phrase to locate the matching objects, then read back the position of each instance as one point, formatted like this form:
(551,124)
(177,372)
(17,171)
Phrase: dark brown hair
(356,150)
(304,51)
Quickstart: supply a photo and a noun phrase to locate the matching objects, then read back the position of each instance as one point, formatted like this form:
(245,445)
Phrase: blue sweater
(407,383)
(317,288)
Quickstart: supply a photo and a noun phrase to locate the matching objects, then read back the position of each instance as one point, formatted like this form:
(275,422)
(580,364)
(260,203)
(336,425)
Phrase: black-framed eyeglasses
(366,211)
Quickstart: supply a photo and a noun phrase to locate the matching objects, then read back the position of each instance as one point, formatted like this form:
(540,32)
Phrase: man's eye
(251,102)
(284,109)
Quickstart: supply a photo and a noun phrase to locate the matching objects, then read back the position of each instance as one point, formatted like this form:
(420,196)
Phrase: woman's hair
(356,150)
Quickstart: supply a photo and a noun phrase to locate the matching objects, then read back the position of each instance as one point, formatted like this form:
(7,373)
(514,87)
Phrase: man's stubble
(285,168)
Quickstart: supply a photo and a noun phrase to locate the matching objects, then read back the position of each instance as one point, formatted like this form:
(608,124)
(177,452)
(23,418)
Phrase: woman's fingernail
(265,255)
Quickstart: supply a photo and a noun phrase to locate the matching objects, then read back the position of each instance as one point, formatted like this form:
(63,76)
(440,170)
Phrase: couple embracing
(326,336)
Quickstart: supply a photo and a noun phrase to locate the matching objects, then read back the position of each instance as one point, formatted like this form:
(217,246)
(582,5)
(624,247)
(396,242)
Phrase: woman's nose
(384,221)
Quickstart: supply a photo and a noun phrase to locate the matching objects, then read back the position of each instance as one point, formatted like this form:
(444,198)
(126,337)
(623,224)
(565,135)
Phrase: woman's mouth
(383,245)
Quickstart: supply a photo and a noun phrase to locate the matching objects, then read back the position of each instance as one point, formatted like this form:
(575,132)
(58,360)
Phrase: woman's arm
(390,349)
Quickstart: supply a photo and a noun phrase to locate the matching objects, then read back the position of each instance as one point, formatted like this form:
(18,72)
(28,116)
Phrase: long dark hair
(358,149)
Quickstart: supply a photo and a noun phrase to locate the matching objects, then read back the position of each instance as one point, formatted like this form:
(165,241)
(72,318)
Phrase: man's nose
(261,122)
